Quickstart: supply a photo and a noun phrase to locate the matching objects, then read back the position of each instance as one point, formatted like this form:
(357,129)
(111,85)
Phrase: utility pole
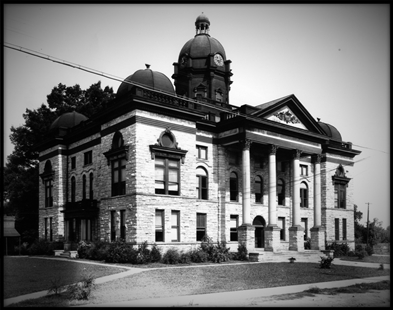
(368,204)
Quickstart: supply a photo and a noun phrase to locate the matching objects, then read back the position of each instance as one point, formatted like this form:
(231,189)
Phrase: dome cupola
(202,70)
(67,121)
(146,77)
(330,131)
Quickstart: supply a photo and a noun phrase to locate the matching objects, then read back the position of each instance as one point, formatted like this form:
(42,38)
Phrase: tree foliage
(21,178)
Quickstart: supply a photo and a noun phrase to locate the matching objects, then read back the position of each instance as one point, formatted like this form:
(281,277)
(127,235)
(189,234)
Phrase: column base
(318,238)
(296,238)
(272,238)
(246,235)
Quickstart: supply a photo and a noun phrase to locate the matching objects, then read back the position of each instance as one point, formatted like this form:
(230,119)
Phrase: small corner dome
(68,120)
(330,131)
(149,78)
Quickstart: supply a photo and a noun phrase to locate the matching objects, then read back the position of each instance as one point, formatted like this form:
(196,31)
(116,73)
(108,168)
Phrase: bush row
(342,249)
(125,252)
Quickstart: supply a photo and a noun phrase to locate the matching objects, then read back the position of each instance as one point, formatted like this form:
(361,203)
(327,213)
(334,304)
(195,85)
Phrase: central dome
(146,77)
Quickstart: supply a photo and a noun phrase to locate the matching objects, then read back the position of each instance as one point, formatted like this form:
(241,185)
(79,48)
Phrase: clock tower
(203,71)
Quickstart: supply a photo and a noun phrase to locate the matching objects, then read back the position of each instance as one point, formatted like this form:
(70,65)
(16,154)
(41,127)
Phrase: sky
(334,58)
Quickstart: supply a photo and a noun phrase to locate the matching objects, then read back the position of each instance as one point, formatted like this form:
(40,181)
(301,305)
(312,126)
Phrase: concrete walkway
(206,299)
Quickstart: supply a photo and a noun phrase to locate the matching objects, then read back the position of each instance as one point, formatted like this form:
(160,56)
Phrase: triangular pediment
(287,117)
(287,111)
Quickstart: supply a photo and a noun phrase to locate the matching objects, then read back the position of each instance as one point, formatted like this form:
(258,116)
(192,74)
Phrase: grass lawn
(24,275)
(169,282)
(369,259)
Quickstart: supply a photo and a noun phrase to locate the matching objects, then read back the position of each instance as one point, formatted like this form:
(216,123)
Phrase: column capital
(273,149)
(317,158)
(296,154)
(247,144)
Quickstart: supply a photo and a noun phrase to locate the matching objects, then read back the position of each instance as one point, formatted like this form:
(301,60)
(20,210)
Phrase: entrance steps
(313,256)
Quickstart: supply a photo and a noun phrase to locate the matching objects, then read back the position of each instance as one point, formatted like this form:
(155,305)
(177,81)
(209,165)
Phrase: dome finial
(147,66)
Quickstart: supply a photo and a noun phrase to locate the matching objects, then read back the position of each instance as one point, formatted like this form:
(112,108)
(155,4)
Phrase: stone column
(272,231)
(246,232)
(317,231)
(246,196)
(296,239)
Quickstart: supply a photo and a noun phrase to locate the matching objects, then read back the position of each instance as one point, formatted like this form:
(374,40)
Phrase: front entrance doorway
(259,223)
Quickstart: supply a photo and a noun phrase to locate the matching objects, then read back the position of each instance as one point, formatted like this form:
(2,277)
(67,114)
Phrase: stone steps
(283,256)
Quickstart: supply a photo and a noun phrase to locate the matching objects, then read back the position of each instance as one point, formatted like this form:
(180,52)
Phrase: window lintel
(167,152)
(117,153)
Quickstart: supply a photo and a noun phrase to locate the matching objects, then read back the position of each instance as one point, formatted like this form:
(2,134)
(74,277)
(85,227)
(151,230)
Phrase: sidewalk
(208,299)
(233,299)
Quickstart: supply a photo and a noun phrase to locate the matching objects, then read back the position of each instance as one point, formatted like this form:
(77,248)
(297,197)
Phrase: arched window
(258,189)
(73,189)
(303,195)
(280,192)
(84,187)
(91,186)
(233,187)
(202,183)
(117,141)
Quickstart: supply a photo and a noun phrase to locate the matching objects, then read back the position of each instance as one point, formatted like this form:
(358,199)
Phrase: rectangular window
(46,228)
(202,152)
(304,222)
(280,166)
(233,227)
(340,196)
(304,197)
(304,170)
(48,193)
(50,229)
(167,178)
(119,177)
(202,186)
(159,225)
(73,162)
(123,224)
(337,229)
(200,226)
(175,222)
(344,229)
(88,156)
(113,225)
(281,224)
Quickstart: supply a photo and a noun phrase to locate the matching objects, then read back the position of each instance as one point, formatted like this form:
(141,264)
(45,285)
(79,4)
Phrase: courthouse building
(168,163)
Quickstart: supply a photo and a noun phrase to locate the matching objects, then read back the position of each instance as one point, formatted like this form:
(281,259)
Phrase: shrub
(155,254)
(207,246)
(83,249)
(369,249)
(171,256)
(351,254)
(143,256)
(41,247)
(98,251)
(198,256)
(56,287)
(82,289)
(326,262)
(122,252)
(361,253)
(185,258)
(340,249)
(220,253)
(242,253)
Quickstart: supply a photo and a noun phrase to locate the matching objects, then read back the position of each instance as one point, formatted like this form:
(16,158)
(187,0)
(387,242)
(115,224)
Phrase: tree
(21,178)
(360,230)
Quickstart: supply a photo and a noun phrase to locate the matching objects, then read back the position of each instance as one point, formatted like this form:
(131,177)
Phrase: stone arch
(259,223)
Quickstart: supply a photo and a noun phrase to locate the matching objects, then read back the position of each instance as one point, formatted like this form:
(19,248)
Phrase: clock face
(218,60)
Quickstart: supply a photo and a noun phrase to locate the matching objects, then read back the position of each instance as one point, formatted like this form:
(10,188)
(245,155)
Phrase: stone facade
(111,177)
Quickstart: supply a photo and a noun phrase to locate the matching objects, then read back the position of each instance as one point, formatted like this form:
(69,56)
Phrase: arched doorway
(259,223)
